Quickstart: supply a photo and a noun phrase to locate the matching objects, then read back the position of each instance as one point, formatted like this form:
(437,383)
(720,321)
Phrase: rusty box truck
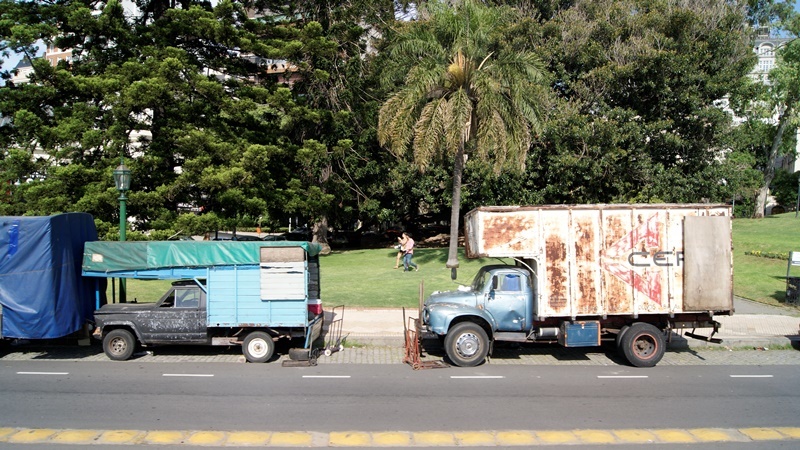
(584,274)
(224,293)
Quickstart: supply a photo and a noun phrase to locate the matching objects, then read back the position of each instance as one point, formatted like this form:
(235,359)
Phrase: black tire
(621,333)
(258,347)
(119,344)
(643,345)
(466,344)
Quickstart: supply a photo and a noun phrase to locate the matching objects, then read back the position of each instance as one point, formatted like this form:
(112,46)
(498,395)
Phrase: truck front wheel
(466,344)
(119,344)
(258,347)
(642,345)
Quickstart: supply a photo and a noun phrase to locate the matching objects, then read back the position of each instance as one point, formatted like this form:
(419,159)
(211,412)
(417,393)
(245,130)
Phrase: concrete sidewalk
(384,326)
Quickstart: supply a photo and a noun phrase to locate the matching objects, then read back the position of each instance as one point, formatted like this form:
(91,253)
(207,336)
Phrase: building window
(767,50)
(765,65)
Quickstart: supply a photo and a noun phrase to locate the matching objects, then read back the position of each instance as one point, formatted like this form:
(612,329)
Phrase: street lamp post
(122,179)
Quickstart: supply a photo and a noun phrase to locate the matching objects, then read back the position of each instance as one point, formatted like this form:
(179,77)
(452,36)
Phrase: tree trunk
(320,234)
(769,170)
(458,168)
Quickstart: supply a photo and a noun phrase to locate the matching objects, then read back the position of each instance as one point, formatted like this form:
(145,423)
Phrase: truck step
(511,337)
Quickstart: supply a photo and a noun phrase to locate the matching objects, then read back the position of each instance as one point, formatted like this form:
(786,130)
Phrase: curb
(677,342)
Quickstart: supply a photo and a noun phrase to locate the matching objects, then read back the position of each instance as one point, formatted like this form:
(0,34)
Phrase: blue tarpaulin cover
(42,293)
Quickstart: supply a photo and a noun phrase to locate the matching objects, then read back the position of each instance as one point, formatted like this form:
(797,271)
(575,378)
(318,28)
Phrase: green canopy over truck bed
(109,257)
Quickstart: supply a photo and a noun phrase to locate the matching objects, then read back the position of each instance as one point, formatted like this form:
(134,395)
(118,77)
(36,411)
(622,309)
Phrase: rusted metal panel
(707,276)
(597,260)
(587,291)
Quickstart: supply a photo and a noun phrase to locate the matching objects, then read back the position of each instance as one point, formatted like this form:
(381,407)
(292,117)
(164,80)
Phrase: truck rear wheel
(258,347)
(466,344)
(119,344)
(642,345)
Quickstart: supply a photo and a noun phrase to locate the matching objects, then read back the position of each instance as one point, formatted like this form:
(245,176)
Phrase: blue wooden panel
(234,299)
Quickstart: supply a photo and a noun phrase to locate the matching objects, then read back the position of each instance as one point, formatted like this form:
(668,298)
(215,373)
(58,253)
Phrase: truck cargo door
(708,270)
(283,274)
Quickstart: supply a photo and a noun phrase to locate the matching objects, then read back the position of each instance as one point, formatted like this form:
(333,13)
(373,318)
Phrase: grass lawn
(758,278)
(366,278)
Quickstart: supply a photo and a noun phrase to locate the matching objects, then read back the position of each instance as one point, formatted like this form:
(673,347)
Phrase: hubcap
(118,345)
(644,347)
(257,348)
(468,345)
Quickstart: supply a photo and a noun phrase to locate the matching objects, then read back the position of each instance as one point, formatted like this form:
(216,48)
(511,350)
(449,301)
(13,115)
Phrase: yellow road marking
(396,439)
(31,435)
(297,438)
(516,438)
(715,435)
(595,436)
(634,436)
(762,434)
(674,436)
(434,439)
(792,432)
(238,438)
(350,439)
(474,438)
(118,437)
(557,437)
(164,437)
(6,432)
(391,439)
(75,437)
(206,438)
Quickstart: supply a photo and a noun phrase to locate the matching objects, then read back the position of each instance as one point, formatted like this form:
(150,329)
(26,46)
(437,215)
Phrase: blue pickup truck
(224,293)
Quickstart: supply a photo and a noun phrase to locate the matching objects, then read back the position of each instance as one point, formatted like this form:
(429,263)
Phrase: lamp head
(122,178)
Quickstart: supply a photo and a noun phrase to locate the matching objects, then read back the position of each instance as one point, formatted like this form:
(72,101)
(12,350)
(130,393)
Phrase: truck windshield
(480,280)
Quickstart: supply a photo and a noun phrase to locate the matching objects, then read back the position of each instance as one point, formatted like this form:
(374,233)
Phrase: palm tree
(465,92)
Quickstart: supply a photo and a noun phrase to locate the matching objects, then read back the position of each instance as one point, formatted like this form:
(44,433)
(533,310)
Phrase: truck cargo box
(601,260)
(42,293)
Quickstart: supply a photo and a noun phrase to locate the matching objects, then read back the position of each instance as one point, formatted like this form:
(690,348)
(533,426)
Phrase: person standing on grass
(401,249)
(408,253)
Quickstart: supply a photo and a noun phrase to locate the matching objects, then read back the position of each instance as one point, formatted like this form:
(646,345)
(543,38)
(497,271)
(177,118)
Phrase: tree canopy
(232,111)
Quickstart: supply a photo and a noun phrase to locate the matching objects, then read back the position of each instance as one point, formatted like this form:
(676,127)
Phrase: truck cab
(499,300)
(179,316)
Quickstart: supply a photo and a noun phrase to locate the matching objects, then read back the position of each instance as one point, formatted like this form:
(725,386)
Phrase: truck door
(507,300)
(180,317)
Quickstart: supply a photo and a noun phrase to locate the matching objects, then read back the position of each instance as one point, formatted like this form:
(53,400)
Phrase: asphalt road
(373,398)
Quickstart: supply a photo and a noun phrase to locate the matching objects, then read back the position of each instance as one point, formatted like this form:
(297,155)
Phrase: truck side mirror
(494,283)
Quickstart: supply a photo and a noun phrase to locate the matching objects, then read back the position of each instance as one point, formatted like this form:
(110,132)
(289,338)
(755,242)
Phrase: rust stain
(556,253)
(586,261)
(504,231)
(584,242)
(614,231)
(587,301)
(617,295)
